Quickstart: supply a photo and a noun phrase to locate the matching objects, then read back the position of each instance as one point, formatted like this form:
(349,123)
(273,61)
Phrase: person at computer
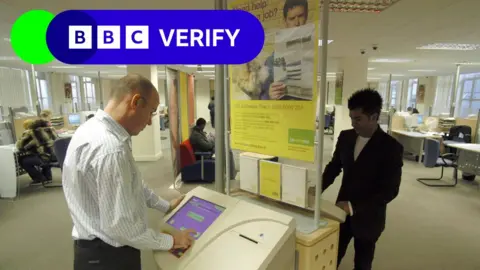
(371,161)
(415,111)
(103,186)
(199,140)
(36,146)
(46,115)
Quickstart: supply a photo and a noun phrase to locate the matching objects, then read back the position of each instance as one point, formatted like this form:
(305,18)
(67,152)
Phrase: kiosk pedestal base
(319,249)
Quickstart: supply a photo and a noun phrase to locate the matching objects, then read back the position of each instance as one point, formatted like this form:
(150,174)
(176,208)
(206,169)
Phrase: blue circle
(58,37)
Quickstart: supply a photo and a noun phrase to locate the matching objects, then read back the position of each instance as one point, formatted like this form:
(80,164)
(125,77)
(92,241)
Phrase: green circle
(29,37)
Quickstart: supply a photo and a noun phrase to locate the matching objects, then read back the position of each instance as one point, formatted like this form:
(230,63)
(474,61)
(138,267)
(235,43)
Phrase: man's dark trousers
(364,248)
(98,255)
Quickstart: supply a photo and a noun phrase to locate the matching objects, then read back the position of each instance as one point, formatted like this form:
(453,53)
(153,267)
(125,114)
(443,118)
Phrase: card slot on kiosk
(196,214)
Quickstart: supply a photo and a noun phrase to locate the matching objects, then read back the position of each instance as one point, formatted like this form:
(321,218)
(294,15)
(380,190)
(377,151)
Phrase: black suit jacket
(370,182)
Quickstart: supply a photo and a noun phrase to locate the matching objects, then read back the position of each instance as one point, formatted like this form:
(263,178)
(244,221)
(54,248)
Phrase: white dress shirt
(359,145)
(104,190)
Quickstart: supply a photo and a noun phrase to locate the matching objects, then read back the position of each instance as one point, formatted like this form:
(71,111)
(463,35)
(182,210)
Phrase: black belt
(97,242)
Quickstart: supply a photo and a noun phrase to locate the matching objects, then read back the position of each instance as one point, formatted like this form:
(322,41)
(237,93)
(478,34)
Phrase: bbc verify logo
(108,37)
(137,37)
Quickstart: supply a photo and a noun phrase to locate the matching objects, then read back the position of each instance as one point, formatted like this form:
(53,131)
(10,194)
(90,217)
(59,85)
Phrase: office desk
(412,141)
(10,169)
(468,157)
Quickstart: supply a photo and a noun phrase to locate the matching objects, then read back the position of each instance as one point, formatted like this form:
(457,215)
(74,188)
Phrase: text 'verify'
(137,37)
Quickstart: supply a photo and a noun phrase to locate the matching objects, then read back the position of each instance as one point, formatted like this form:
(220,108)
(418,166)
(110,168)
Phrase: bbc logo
(108,37)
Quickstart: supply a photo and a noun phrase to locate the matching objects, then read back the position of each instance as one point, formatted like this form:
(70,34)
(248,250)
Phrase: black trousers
(98,255)
(30,164)
(212,119)
(364,248)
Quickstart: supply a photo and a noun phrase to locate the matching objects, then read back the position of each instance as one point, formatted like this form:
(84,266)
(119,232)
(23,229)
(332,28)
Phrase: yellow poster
(183,87)
(271,97)
(270,179)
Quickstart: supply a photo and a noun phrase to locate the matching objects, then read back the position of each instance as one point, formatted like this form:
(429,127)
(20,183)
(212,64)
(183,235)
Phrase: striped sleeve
(120,219)
(154,201)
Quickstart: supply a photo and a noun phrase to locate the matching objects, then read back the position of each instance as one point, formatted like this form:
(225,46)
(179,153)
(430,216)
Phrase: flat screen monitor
(74,119)
(420,119)
(197,214)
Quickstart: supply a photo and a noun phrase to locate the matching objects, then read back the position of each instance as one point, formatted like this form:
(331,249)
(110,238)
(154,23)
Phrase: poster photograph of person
(285,68)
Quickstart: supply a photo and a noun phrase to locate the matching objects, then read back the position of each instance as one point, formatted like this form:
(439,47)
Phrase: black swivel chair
(432,159)
(60,147)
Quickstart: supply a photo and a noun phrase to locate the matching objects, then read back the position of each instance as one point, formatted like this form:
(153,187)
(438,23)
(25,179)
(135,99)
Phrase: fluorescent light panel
(65,67)
(206,71)
(387,60)
(422,70)
(450,47)
(7,39)
(469,63)
(320,42)
(9,58)
(371,68)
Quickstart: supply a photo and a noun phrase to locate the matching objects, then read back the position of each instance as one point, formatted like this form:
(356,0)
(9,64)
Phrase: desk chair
(192,170)
(60,147)
(432,159)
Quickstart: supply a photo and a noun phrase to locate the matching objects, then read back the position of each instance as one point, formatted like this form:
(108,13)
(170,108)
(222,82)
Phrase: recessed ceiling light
(422,70)
(371,68)
(7,39)
(65,67)
(206,71)
(203,66)
(122,66)
(387,60)
(450,47)
(320,42)
(9,58)
(373,79)
(398,75)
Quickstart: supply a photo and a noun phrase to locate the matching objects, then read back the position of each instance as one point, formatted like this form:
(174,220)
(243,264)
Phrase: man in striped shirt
(103,187)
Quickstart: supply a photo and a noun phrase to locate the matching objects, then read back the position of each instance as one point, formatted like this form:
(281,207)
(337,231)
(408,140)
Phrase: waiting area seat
(432,159)
(193,171)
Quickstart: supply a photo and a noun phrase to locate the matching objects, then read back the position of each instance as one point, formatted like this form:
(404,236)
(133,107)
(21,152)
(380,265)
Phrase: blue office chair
(432,159)
(60,147)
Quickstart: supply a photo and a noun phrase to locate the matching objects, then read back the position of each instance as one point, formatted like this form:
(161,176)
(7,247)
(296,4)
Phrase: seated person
(415,111)
(47,116)
(27,125)
(199,140)
(37,144)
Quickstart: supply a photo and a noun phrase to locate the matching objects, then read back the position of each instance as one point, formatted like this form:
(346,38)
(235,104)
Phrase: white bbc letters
(80,37)
(108,37)
(136,37)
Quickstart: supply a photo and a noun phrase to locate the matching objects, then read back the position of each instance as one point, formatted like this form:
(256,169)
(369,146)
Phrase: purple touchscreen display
(196,214)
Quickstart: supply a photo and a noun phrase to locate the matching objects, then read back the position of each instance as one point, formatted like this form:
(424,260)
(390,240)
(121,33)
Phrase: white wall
(162,92)
(202,98)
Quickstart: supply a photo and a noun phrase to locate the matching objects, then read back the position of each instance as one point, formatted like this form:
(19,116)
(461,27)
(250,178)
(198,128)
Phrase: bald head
(133,102)
(132,84)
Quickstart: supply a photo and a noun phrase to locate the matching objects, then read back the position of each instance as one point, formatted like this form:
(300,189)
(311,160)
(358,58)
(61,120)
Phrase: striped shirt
(104,190)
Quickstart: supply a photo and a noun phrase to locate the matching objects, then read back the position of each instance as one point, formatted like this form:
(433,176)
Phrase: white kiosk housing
(231,234)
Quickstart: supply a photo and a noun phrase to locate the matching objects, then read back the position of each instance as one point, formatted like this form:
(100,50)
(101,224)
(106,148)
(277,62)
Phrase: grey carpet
(427,228)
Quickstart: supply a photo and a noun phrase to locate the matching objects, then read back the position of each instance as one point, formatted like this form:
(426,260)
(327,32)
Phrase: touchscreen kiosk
(196,214)
(230,234)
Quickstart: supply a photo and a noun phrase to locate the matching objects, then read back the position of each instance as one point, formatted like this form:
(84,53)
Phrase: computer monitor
(197,214)
(74,119)
(420,119)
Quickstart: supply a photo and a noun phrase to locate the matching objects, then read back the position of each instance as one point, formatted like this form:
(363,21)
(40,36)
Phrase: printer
(230,234)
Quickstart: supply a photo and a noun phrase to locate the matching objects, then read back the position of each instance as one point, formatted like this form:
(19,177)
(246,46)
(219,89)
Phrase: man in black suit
(371,161)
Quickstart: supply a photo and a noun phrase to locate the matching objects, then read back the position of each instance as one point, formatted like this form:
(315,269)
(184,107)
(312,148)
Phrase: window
(89,90)
(412,93)
(395,92)
(75,91)
(470,99)
(42,91)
